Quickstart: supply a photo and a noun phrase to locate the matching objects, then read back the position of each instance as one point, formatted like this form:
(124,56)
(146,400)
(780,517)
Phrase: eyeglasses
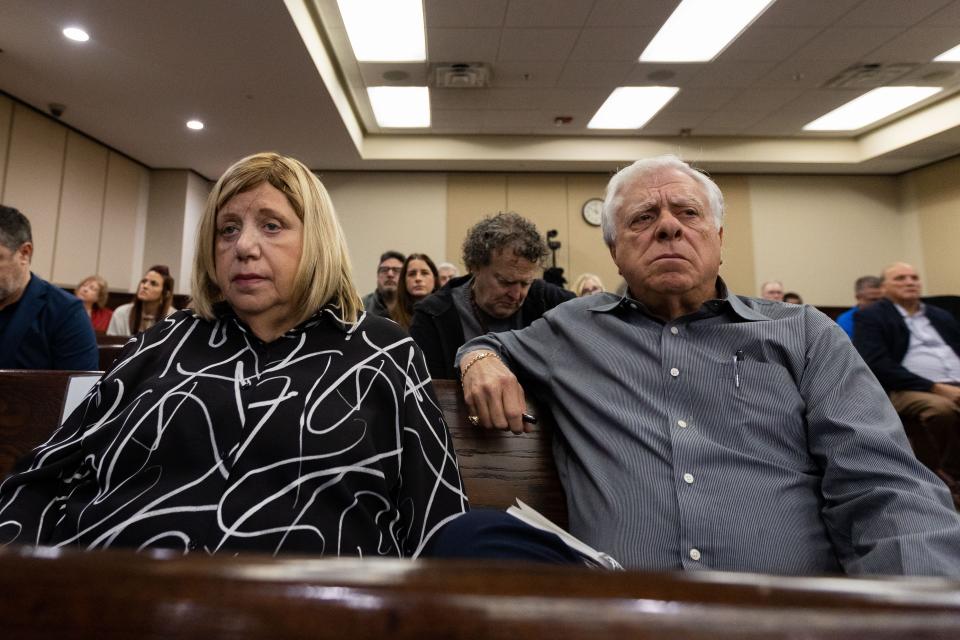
(389,269)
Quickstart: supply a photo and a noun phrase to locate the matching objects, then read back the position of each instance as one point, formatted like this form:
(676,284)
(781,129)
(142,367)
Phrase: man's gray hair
(866,282)
(14,228)
(500,232)
(640,169)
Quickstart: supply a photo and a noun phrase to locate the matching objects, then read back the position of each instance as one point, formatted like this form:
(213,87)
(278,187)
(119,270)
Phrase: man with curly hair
(504,255)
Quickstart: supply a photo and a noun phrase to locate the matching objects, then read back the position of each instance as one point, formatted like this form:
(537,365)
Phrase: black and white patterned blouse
(328,440)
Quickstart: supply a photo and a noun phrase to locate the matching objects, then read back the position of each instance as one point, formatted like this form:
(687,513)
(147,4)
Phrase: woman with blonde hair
(587,284)
(272,416)
(93,293)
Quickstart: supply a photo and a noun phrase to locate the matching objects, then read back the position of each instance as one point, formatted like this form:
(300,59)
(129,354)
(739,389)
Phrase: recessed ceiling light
(385,30)
(400,106)
(698,30)
(196,125)
(76,33)
(631,107)
(953,55)
(872,106)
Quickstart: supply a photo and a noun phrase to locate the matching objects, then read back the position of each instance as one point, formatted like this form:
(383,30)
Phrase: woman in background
(587,284)
(418,279)
(153,303)
(92,291)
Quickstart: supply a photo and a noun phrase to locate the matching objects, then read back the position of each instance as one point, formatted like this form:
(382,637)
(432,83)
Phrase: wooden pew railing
(497,467)
(116,594)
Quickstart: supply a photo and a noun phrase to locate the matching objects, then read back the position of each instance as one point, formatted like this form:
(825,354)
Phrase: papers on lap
(591,556)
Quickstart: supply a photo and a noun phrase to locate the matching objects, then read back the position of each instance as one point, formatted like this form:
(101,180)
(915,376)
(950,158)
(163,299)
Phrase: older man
(914,350)
(41,326)
(504,254)
(772,290)
(703,430)
(866,290)
(381,301)
(447,271)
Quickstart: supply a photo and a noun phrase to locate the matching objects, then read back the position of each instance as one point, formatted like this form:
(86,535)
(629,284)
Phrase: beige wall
(932,194)
(381,211)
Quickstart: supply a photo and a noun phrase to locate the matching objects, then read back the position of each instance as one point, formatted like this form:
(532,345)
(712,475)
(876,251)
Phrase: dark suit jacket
(48,330)
(436,324)
(882,337)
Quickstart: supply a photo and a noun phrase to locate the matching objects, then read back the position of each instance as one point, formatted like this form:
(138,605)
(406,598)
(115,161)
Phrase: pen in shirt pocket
(737,359)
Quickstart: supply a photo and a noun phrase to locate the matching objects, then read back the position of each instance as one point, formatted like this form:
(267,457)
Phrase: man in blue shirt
(41,326)
(706,430)
(867,291)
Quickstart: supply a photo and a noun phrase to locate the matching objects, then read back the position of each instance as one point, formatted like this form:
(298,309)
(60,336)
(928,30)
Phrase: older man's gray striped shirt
(747,436)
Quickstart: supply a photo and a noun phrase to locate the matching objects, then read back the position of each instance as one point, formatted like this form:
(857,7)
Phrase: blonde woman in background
(587,284)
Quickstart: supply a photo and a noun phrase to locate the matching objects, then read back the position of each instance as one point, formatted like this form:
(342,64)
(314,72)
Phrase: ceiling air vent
(461,75)
(869,76)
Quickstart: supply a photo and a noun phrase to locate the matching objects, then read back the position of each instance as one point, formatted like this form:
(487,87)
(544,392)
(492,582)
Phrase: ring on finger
(474,420)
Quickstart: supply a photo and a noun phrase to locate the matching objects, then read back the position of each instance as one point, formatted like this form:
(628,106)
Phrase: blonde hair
(324,274)
(102,295)
(581,282)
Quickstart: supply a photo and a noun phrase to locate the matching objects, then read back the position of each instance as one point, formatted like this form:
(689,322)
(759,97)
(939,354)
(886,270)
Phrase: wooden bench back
(497,467)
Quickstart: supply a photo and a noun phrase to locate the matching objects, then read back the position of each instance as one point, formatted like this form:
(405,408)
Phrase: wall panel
(33,181)
(933,193)
(6,118)
(737,269)
(471,197)
(583,244)
(124,220)
(81,210)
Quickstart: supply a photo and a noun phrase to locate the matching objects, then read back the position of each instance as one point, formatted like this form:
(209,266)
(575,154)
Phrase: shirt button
(674,372)
(688,478)
(674,330)
(682,424)
(694,554)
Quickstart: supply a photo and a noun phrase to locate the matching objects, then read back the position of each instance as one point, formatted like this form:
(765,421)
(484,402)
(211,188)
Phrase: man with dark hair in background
(504,255)
(381,301)
(867,291)
(41,326)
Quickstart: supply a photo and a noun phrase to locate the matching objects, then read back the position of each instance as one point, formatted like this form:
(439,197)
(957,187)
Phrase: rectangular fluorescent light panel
(698,30)
(953,55)
(385,30)
(396,107)
(631,107)
(872,106)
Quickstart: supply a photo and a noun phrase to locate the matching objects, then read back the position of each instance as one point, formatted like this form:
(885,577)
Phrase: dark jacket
(882,337)
(48,329)
(436,324)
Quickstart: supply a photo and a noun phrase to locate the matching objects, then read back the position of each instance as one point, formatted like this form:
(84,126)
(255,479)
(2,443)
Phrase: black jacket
(882,337)
(436,324)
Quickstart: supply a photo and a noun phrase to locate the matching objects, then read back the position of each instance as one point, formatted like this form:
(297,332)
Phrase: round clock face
(593,211)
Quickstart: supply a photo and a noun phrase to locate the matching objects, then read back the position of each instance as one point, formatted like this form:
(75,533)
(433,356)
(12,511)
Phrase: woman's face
(420,279)
(259,240)
(590,286)
(89,291)
(151,287)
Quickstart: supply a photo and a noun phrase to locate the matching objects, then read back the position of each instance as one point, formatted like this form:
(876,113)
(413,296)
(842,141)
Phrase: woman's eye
(272,226)
(228,229)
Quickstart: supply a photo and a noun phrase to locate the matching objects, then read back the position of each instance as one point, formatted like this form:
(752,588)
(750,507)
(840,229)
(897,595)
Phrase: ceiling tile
(670,121)
(699,99)
(762,100)
(800,73)
(508,120)
(611,43)
(847,44)
(579,73)
(463,45)
(730,74)
(457,99)
(813,104)
(731,119)
(673,75)
(526,74)
(919,44)
(464,13)
(547,13)
(804,13)
(585,99)
(890,13)
(372,74)
(630,13)
(949,16)
(459,121)
(536,44)
(768,44)
(513,99)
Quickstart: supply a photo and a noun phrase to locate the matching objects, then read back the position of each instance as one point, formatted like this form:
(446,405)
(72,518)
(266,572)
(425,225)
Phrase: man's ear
(26,251)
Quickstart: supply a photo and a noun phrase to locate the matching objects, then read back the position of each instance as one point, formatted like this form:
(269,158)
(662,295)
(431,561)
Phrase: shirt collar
(724,299)
(921,310)
(329,314)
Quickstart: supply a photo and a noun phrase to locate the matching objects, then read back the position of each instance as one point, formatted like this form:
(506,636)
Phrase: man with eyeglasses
(381,301)
(504,254)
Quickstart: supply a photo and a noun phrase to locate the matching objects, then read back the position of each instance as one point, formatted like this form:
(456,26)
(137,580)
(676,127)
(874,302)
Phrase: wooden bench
(119,595)
(496,466)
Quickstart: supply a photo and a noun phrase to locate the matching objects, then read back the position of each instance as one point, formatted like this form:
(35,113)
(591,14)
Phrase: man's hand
(946,390)
(492,393)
